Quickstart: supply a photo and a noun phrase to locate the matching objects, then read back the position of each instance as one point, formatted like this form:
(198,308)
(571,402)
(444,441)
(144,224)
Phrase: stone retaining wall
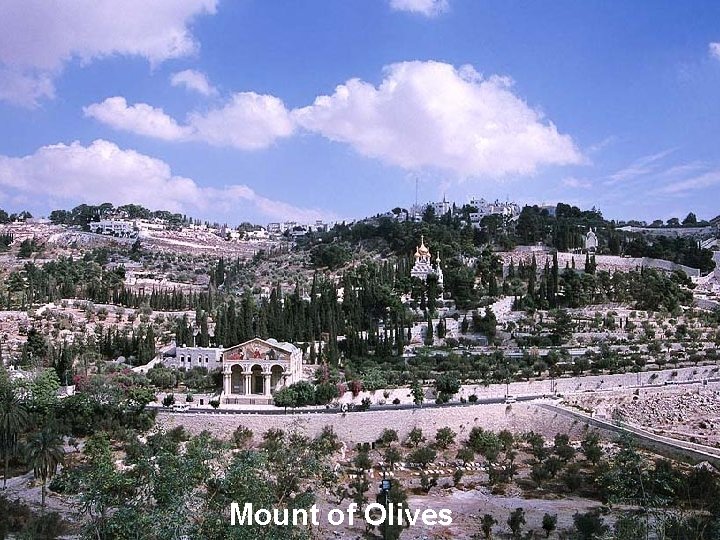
(358,427)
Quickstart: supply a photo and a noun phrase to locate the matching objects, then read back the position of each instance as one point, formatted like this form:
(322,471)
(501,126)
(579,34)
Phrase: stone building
(190,357)
(591,241)
(423,266)
(254,370)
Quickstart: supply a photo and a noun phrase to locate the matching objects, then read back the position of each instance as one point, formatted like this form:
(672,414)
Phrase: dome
(423,250)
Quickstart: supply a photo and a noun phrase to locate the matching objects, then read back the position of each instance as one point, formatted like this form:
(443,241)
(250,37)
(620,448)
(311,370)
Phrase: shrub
(242,436)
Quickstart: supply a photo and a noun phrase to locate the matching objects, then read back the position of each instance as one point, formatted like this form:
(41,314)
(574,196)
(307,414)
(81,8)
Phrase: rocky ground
(691,414)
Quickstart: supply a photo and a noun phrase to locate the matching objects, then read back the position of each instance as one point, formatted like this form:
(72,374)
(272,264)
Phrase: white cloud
(576,183)
(139,118)
(640,167)
(104,172)
(193,80)
(702,181)
(248,121)
(423,115)
(38,37)
(429,114)
(714,49)
(24,89)
(429,8)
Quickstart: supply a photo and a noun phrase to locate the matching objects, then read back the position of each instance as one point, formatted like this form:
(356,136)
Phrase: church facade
(423,266)
(254,370)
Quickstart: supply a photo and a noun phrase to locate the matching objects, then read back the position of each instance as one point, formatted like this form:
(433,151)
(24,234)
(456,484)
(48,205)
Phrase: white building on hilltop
(114,227)
(423,266)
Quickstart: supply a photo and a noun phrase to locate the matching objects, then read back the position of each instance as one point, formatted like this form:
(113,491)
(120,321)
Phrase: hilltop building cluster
(295,229)
(480,208)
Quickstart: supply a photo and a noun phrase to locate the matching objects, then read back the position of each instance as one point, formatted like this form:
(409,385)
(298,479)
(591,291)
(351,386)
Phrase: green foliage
(417,392)
(44,454)
(486,324)
(13,420)
(242,436)
(466,455)
(396,496)
(330,256)
(415,437)
(487,522)
(304,392)
(445,437)
(427,482)
(285,397)
(423,455)
(392,456)
(549,523)
(28,247)
(325,392)
(388,437)
(17,520)
(630,527)
(515,521)
(362,461)
(447,385)
(589,525)
(162,377)
(485,443)
(591,447)
(43,391)
(679,249)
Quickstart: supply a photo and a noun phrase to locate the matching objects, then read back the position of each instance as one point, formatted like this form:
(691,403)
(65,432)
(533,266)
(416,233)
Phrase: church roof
(271,342)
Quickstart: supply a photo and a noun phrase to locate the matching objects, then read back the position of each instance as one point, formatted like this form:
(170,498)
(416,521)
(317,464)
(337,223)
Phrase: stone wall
(608,263)
(357,427)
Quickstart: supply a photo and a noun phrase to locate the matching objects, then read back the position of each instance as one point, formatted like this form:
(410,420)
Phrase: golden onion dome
(423,250)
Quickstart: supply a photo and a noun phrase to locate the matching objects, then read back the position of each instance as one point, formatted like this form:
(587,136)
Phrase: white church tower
(423,266)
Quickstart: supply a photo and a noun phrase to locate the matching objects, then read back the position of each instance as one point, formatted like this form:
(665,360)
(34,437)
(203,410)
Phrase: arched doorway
(276,378)
(237,380)
(258,381)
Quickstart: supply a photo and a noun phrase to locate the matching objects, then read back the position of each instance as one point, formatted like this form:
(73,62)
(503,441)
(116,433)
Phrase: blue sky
(269,110)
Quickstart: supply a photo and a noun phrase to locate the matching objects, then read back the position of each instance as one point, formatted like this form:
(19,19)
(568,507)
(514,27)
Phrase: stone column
(247,381)
(267,385)
(227,383)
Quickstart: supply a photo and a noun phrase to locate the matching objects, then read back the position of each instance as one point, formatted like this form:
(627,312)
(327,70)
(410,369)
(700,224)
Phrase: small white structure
(115,227)
(591,241)
(257,368)
(191,357)
(257,236)
(423,266)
